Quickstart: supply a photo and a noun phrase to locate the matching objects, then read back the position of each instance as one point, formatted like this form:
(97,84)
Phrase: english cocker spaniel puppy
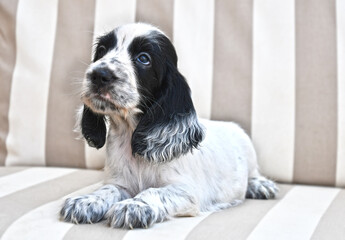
(162,161)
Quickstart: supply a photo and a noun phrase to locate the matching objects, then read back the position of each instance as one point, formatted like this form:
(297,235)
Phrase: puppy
(162,161)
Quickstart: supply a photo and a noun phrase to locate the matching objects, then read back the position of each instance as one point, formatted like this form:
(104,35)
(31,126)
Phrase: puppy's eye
(101,50)
(144,58)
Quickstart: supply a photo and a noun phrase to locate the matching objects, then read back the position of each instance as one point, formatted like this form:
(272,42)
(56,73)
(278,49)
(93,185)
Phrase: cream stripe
(296,215)
(94,158)
(96,231)
(109,14)
(44,220)
(10,170)
(273,113)
(27,178)
(176,228)
(340,179)
(193,39)
(35,31)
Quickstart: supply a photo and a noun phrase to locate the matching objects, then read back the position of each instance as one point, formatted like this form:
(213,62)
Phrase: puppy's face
(127,69)
(134,71)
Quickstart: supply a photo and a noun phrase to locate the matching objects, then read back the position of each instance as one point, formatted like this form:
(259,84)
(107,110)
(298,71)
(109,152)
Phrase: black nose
(102,76)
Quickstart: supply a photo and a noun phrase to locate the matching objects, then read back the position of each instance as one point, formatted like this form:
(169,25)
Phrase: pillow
(276,68)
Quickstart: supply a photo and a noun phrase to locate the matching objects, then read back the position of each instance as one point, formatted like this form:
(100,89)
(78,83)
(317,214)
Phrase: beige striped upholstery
(32,207)
(275,67)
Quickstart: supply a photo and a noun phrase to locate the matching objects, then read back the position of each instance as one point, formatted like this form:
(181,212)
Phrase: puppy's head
(134,73)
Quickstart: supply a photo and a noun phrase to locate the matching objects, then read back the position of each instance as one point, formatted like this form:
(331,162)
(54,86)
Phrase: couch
(275,67)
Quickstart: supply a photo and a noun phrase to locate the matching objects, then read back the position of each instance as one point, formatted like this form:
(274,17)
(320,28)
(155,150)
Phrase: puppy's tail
(261,188)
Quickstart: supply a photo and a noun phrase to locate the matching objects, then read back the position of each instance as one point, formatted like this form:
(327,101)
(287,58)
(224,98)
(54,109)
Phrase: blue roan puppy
(162,161)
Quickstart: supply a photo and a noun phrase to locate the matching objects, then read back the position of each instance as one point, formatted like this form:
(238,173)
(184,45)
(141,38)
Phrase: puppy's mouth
(102,103)
(105,97)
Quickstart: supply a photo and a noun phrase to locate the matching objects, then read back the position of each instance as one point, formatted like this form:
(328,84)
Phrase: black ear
(93,128)
(170,128)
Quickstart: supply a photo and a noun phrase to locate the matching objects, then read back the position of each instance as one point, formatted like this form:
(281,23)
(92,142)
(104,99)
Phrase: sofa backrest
(275,67)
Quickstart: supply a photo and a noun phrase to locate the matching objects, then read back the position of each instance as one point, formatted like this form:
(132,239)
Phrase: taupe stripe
(332,220)
(237,222)
(340,180)
(8,11)
(9,170)
(95,231)
(232,73)
(19,203)
(316,93)
(158,13)
(72,51)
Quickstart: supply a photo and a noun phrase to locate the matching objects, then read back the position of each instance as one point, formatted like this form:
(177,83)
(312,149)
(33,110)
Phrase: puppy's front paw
(84,209)
(131,213)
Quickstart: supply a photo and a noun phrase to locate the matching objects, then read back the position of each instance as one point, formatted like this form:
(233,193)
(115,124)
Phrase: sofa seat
(31,197)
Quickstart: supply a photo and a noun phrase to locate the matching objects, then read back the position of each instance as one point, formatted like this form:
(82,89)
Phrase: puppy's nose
(102,76)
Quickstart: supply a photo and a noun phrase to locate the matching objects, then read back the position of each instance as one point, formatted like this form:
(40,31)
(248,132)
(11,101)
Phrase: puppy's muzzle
(102,76)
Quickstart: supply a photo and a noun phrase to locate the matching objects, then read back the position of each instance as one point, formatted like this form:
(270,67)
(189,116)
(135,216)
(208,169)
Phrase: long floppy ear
(93,128)
(170,128)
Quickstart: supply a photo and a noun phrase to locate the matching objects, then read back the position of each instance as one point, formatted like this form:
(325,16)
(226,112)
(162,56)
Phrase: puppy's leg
(152,205)
(91,208)
(260,187)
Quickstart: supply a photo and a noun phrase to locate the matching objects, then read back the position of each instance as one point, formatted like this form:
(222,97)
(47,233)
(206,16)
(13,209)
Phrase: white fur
(217,172)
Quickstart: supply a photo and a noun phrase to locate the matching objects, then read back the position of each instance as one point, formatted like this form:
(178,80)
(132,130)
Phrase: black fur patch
(93,128)
(149,77)
(104,44)
(166,98)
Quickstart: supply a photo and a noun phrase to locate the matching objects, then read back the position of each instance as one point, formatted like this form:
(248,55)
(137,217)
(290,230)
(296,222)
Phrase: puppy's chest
(134,174)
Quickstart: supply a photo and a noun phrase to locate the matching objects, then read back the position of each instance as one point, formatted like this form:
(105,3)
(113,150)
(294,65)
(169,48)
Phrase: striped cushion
(275,67)
(31,198)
